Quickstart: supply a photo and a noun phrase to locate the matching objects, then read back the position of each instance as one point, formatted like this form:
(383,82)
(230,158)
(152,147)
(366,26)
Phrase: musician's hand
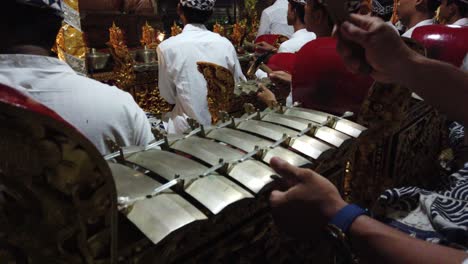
(263,46)
(307,202)
(383,49)
(266,95)
(281,79)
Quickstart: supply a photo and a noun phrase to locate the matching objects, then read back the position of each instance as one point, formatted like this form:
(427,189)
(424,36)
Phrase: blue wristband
(346,216)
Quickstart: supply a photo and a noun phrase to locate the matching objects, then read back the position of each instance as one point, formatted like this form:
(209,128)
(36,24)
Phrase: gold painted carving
(124,64)
(175,30)
(220,85)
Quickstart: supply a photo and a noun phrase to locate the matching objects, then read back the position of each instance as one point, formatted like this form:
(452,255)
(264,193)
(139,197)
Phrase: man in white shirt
(97,110)
(317,20)
(416,13)
(295,16)
(180,82)
(454,12)
(273,20)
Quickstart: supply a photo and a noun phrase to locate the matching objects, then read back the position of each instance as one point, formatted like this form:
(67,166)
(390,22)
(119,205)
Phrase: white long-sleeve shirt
(180,82)
(274,20)
(97,110)
(297,40)
(292,45)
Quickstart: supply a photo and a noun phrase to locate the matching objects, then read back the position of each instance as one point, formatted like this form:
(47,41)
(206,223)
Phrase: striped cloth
(436,216)
(439,217)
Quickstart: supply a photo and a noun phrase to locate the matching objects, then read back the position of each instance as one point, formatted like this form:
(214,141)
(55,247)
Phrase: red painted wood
(321,81)
(445,43)
(282,62)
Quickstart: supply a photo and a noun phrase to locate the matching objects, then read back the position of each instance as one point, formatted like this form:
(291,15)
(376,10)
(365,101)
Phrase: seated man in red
(320,79)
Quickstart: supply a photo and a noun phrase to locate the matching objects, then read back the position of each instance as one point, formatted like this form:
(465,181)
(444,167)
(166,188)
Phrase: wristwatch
(339,226)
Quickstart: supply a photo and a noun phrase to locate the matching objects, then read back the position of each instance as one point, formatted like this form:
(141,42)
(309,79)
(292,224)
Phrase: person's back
(97,110)
(180,82)
(296,18)
(274,20)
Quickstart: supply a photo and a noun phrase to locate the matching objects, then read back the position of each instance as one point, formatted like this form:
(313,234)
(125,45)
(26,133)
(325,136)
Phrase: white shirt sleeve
(167,88)
(261,74)
(137,127)
(465,66)
(142,134)
(286,48)
(265,23)
(237,71)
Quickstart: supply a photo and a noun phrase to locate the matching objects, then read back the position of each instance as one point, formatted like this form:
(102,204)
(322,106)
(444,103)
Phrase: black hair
(196,16)
(318,5)
(462,7)
(299,9)
(27,25)
(432,6)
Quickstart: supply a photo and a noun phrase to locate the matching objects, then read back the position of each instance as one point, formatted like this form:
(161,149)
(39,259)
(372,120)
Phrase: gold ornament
(149,37)
(175,30)
(124,74)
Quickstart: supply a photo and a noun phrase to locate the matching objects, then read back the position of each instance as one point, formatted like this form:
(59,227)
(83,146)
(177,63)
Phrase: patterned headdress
(382,7)
(52,4)
(203,5)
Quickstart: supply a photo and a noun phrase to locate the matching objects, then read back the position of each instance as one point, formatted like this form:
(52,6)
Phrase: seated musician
(295,18)
(301,36)
(414,14)
(317,20)
(180,83)
(454,12)
(99,111)
(311,201)
(273,20)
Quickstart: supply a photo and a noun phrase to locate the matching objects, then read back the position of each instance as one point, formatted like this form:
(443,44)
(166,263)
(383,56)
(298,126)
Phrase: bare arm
(310,201)
(373,240)
(440,84)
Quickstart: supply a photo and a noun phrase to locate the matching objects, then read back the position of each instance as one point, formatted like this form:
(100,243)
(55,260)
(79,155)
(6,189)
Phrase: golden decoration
(70,44)
(438,18)
(218,28)
(151,101)
(149,37)
(252,18)
(394,19)
(124,74)
(175,30)
(220,85)
(73,4)
(238,32)
(70,41)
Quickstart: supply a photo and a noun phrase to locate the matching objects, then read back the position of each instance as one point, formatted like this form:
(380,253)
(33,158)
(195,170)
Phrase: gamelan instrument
(199,198)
